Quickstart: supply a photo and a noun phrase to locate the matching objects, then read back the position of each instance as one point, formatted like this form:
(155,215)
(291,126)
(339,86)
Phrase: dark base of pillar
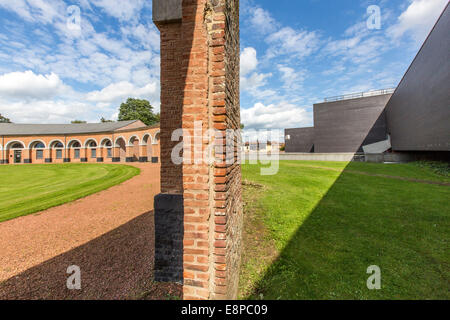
(84,160)
(66,160)
(26,160)
(48,160)
(115,159)
(4,161)
(169,232)
(130,159)
(143,159)
(155,159)
(99,159)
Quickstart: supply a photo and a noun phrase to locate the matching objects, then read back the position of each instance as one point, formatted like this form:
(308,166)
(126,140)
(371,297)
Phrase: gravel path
(109,235)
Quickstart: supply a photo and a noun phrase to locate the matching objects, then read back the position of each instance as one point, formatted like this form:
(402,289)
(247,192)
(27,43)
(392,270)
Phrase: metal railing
(360,95)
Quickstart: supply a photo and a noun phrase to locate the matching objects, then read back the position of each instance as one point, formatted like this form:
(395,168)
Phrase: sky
(66,60)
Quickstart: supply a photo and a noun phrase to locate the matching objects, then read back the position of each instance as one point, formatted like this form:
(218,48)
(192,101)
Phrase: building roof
(11,129)
(360,95)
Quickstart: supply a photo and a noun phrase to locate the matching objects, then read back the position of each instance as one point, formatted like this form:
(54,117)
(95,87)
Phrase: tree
(242,126)
(4,120)
(136,109)
(103,120)
(77,121)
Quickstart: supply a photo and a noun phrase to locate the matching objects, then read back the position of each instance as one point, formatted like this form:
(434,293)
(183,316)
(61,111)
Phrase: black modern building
(299,139)
(413,119)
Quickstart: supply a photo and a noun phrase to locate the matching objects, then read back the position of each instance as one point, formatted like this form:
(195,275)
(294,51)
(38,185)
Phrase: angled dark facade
(348,125)
(418,114)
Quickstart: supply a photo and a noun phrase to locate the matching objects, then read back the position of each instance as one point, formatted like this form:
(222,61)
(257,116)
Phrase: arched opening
(133,146)
(121,149)
(36,151)
(106,151)
(91,150)
(156,147)
(147,147)
(74,150)
(14,150)
(56,151)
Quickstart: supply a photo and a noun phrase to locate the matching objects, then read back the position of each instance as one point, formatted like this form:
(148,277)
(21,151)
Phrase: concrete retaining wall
(301,156)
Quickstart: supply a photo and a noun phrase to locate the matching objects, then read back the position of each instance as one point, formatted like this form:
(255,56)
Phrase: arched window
(58,145)
(39,145)
(92,144)
(17,145)
(75,144)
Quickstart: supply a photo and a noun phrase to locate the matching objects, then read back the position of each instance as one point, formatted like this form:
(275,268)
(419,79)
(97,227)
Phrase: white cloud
(28,85)
(262,21)
(124,89)
(297,44)
(146,34)
(249,61)
(124,61)
(44,11)
(358,49)
(293,79)
(418,19)
(275,116)
(20,7)
(46,111)
(122,10)
(255,81)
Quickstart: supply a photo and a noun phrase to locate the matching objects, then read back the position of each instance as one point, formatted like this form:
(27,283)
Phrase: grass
(26,189)
(312,231)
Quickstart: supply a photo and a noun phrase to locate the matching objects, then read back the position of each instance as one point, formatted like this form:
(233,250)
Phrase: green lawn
(26,189)
(312,230)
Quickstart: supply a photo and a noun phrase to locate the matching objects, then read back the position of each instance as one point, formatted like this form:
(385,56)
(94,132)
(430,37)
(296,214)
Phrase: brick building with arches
(110,142)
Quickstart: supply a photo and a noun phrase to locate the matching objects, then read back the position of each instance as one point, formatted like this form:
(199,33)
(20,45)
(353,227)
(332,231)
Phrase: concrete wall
(299,156)
(301,139)
(347,125)
(418,113)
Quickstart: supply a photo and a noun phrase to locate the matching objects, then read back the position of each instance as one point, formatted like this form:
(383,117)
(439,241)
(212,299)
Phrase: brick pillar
(116,154)
(84,152)
(143,155)
(198,216)
(48,155)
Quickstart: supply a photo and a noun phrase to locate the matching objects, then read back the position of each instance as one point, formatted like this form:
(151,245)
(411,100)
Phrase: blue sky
(293,54)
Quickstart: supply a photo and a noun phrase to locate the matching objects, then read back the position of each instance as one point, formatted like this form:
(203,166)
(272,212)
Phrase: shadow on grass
(400,226)
(116,265)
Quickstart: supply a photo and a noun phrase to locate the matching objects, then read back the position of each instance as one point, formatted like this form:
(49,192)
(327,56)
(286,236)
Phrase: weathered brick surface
(200,91)
(227,177)
(172,101)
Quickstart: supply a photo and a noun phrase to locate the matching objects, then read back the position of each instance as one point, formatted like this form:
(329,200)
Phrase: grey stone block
(167,10)
(169,232)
